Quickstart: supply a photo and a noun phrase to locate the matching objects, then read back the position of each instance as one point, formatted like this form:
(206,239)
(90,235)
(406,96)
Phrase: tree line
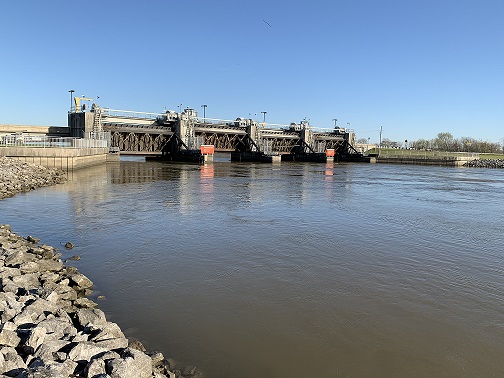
(445,142)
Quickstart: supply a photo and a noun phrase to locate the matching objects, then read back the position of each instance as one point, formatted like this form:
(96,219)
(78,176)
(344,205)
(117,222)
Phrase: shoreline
(19,177)
(485,163)
(49,327)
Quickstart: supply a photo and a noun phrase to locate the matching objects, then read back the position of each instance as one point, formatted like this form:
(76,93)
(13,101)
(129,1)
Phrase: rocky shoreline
(17,176)
(485,163)
(49,327)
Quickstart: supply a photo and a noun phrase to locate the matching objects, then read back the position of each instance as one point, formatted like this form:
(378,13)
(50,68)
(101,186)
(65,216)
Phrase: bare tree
(444,141)
(421,144)
(386,142)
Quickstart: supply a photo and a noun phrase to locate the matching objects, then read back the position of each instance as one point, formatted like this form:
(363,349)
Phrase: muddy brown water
(291,270)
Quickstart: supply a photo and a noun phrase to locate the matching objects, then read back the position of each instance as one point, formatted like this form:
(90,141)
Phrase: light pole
(204,112)
(264,118)
(180,108)
(335,120)
(71,98)
(348,124)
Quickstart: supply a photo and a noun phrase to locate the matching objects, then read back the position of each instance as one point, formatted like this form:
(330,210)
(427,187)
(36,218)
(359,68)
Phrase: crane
(78,103)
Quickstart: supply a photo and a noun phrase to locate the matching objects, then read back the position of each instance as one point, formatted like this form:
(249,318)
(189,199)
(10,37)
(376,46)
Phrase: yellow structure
(78,103)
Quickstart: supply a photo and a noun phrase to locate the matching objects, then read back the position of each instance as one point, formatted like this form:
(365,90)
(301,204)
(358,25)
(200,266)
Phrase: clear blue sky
(415,67)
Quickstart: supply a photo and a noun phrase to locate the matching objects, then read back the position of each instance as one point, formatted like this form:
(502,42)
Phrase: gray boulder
(35,338)
(40,307)
(58,328)
(46,350)
(85,351)
(132,364)
(108,331)
(9,338)
(113,344)
(31,239)
(6,272)
(97,366)
(12,363)
(51,369)
(85,303)
(81,280)
(27,281)
(86,317)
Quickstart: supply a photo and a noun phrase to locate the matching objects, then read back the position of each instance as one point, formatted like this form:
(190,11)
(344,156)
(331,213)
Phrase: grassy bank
(419,154)
(422,154)
(491,157)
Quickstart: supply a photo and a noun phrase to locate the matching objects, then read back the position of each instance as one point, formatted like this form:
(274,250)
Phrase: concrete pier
(258,157)
(208,158)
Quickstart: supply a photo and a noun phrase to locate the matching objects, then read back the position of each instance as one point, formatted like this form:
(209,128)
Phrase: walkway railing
(31,141)
(418,154)
(106,112)
(262,125)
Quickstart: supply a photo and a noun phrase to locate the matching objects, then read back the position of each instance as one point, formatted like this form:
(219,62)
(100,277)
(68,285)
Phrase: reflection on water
(290,270)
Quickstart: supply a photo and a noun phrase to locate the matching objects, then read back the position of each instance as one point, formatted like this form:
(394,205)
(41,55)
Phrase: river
(291,270)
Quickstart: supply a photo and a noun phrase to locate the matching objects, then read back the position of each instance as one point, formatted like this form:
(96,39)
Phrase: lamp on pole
(264,118)
(204,112)
(71,98)
(335,120)
(180,108)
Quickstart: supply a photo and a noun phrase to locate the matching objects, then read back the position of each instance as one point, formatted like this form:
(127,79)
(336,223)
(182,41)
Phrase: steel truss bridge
(139,133)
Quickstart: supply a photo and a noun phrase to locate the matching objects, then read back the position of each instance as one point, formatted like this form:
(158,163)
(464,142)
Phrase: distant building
(364,147)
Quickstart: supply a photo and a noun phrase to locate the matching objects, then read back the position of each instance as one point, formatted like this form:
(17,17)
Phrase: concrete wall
(66,159)
(7,129)
(51,152)
(401,160)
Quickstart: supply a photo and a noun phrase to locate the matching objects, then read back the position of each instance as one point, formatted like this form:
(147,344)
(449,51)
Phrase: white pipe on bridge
(148,115)
(125,113)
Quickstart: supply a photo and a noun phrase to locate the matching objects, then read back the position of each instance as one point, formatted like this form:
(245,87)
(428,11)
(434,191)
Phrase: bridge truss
(150,134)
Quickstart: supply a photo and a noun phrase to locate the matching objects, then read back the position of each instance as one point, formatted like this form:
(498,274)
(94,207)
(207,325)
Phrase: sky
(413,68)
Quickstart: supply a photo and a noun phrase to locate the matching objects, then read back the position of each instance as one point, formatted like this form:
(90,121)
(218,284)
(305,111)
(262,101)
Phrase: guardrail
(419,154)
(51,142)
(106,112)
(263,125)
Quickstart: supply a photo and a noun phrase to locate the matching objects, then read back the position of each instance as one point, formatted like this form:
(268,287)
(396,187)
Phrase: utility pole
(264,118)
(71,98)
(204,112)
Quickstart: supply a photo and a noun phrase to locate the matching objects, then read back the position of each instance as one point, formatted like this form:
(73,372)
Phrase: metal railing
(262,125)
(419,154)
(38,141)
(106,112)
